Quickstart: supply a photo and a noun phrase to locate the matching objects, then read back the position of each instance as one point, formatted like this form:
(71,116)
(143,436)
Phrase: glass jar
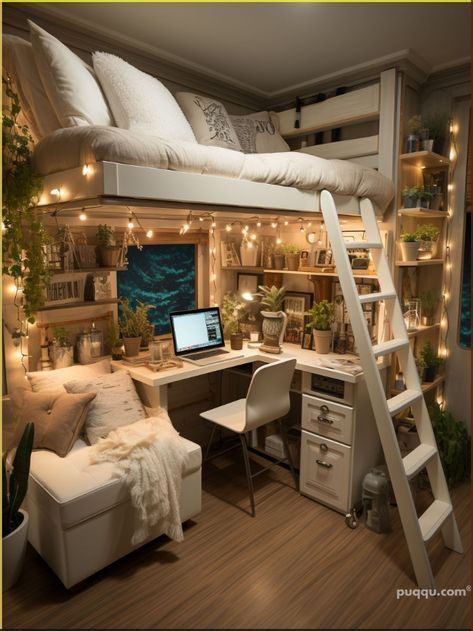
(160,351)
(412,314)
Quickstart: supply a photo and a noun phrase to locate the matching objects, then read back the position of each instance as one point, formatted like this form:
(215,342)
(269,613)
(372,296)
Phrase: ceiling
(270,48)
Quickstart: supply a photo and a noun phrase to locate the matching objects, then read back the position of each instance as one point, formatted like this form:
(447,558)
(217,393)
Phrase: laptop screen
(196,330)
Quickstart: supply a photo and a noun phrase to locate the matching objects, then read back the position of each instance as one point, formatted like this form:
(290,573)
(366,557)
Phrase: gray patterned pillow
(117,403)
(258,133)
(209,120)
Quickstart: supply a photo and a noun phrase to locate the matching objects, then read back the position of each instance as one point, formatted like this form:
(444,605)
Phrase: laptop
(198,336)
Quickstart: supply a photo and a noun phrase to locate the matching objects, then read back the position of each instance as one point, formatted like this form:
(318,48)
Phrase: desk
(339,438)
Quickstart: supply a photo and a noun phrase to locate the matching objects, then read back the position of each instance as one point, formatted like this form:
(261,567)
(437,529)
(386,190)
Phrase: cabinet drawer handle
(322,418)
(322,463)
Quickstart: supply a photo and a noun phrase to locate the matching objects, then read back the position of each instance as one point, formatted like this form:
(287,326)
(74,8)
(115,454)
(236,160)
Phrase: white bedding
(75,146)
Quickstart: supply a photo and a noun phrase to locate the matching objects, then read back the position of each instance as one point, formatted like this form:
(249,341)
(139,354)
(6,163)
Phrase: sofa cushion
(71,490)
(50,379)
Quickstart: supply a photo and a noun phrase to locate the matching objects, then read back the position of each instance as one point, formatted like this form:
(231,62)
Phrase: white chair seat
(231,415)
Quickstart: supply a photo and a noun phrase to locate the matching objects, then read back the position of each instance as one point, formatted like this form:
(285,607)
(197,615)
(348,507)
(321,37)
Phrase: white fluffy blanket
(151,457)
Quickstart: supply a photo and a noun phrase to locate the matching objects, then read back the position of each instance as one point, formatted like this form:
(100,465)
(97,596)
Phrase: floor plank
(296,565)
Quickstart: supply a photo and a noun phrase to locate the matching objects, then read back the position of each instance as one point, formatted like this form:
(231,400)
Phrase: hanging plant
(24,238)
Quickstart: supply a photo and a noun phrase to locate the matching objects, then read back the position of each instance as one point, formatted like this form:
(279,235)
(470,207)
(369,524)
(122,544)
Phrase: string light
(228,227)
(57,192)
(86,169)
(149,234)
(130,225)
(83,216)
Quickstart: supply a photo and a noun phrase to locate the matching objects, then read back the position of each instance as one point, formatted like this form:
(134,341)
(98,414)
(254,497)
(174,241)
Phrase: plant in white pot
(427,236)
(274,319)
(231,311)
(108,252)
(409,246)
(135,326)
(322,315)
(14,519)
(292,253)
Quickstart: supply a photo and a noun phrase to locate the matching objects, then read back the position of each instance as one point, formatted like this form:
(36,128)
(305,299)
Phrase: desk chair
(267,400)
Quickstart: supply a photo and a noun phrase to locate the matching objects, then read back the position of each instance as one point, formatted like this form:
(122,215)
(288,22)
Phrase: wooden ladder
(439,515)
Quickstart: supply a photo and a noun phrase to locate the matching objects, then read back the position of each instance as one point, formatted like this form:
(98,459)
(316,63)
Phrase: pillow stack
(58,89)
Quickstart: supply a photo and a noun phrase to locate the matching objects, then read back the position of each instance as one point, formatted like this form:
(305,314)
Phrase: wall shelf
(83,303)
(310,273)
(426,387)
(423,329)
(425,159)
(420,263)
(91,270)
(243,268)
(426,213)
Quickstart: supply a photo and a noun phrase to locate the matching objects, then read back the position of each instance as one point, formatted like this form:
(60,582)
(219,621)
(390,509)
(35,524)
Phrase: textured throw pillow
(68,81)
(139,101)
(58,418)
(209,121)
(116,404)
(54,379)
(257,133)
(18,61)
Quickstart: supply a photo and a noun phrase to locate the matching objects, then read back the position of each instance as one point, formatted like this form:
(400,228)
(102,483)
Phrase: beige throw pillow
(54,379)
(58,418)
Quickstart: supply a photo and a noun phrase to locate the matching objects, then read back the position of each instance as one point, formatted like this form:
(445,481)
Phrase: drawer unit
(325,471)
(327,419)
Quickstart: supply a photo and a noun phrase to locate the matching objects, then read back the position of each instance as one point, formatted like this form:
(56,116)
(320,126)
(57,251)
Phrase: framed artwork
(296,303)
(248,283)
(323,257)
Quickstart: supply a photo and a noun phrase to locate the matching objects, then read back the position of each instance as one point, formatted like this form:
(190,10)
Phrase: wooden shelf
(90,270)
(423,213)
(425,159)
(243,268)
(420,263)
(84,303)
(310,273)
(423,329)
(426,387)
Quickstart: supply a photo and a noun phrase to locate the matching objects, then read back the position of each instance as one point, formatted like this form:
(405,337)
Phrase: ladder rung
(416,460)
(389,347)
(363,245)
(433,518)
(402,401)
(379,295)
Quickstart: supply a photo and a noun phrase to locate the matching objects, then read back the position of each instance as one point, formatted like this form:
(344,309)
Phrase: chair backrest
(268,394)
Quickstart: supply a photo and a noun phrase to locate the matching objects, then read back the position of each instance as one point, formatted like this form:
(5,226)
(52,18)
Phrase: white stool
(267,400)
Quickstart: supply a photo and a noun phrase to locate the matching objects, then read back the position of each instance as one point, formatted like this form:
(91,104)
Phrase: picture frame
(248,283)
(296,303)
(323,257)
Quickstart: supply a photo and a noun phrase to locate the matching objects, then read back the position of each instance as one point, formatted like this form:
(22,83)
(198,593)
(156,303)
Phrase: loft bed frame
(112,184)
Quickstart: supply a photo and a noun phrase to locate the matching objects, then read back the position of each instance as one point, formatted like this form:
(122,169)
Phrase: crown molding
(84,40)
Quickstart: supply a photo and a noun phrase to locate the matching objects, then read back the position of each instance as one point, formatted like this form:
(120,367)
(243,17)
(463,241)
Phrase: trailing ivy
(24,238)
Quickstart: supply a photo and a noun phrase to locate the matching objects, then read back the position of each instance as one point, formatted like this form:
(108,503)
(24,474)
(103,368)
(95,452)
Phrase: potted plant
(274,319)
(414,124)
(431,360)
(292,253)
(425,197)
(409,246)
(62,350)
(231,309)
(108,253)
(437,124)
(115,343)
(278,257)
(421,366)
(427,235)
(14,519)
(322,316)
(429,302)
(410,195)
(135,326)
(453,444)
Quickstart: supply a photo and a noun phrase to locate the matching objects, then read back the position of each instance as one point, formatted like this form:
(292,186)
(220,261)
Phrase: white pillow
(18,61)
(116,404)
(139,101)
(55,379)
(257,133)
(68,81)
(209,121)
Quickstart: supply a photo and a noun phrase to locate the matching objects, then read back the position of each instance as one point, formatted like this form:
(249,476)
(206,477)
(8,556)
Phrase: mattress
(75,146)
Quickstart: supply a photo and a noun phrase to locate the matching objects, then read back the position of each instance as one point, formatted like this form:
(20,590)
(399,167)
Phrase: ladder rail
(410,521)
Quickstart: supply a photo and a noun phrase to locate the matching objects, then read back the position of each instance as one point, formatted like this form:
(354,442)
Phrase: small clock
(311,237)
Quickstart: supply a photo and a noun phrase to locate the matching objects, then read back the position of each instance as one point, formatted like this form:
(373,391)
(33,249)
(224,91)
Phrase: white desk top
(307,361)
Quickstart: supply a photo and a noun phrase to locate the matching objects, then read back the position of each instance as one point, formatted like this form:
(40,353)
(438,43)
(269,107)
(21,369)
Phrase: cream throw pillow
(54,379)
(209,121)
(116,404)
(257,133)
(68,81)
(139,101)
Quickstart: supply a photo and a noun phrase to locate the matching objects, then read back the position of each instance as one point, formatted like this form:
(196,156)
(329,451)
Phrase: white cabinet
(339,442)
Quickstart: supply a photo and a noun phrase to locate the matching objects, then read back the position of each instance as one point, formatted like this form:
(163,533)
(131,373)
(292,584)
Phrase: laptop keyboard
(206,354)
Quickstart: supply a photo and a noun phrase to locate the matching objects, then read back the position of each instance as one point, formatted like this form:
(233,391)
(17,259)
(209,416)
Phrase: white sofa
(81,518)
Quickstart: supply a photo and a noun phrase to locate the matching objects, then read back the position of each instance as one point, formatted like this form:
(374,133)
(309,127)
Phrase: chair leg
(209,444)
(246,458)
(282,429)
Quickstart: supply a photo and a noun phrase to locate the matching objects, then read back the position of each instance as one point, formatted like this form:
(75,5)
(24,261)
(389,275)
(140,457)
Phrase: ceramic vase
(409,250)
(322,341)
(274,326)
(132,346)
(13,552)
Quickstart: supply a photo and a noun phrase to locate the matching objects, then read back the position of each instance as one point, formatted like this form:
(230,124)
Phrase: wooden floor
(296,565)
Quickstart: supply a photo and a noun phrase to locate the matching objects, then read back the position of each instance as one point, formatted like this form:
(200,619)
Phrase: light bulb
(274,224)
(185,228)
(258,224)
(131,225)
(278,240)
(3,227)
(301,229)
(228,227)
(286,222)
(214,225)
(246,295)
(86,169)
(249,244)
(83,216)
(309,224)
(201,219)
(149,234)
(253,236)
(213,278)
(56,192)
